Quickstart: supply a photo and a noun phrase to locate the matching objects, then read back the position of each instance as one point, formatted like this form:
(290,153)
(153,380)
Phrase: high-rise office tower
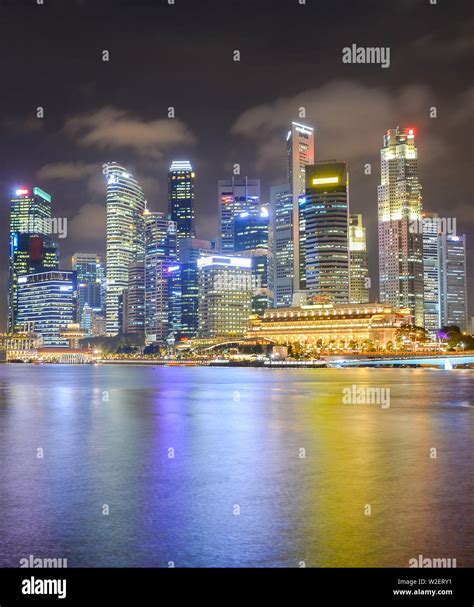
(225,295)
(90,279)
(30,211)
(93,322)
(47,301)
(181,197)
(134,299)
(31,245)
(281,214)
(399,207)
(359,269)
(175,293)
(235,196)
(89,267)
(160,255)
(300,153)
(251,239)
(192,249)
(185,286)
(251,229)
(453,284)
(125,235)
(326,215)
(431,272)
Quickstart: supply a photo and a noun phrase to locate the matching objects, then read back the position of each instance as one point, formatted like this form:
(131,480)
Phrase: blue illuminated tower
(47,303)
(181,197)
(251,239)
(281,212)
(160,256)
(235,196)
(31,246)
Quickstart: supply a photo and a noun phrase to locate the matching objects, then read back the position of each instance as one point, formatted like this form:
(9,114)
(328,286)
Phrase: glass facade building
(133,303)
(47,302)
(359,269)
(181,179)
(281,213)
(453,300)
(431,273)
(160,255)
(251,239)
(125,235)
(184,287)
(31,245)
(235,196)
(90,285)
(326,214)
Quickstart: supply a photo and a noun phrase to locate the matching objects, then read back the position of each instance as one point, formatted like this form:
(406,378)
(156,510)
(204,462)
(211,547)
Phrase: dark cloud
(88,225)
(66,171)
(111,129)
(350,119)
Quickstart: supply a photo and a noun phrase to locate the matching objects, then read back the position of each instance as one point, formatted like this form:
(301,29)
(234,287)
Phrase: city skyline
(66,148)
(422,260)
(236,299)
(145,243)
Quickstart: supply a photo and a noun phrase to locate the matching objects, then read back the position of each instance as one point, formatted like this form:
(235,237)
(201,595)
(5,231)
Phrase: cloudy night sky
(227,112)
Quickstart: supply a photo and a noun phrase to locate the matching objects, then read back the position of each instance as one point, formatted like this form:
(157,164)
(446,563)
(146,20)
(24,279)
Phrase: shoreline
(369,364)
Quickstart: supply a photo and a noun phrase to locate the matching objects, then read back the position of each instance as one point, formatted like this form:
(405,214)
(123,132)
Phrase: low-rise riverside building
(20,345)
(327,325)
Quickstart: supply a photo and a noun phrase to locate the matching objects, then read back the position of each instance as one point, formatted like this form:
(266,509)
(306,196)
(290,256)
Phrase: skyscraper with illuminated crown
(399,215)
(181,197)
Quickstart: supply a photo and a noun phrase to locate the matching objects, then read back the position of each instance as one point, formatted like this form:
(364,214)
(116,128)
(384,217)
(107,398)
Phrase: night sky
(227,112)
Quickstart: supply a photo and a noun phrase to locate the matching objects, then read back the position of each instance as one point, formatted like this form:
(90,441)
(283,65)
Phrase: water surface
(270,467)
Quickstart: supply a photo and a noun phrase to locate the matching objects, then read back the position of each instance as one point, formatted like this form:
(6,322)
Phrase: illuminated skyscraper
(326,215)
(90,283)
(453,284)
(281,213)
(160,256)
(125,235)
(181,197)
(47,301)
(400,207)
(359,270)
(235,196)
(251,239)
(185,287)
(30,211)
(225,295)
(31,246)
(300,153)
(134,300)
(431,272)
